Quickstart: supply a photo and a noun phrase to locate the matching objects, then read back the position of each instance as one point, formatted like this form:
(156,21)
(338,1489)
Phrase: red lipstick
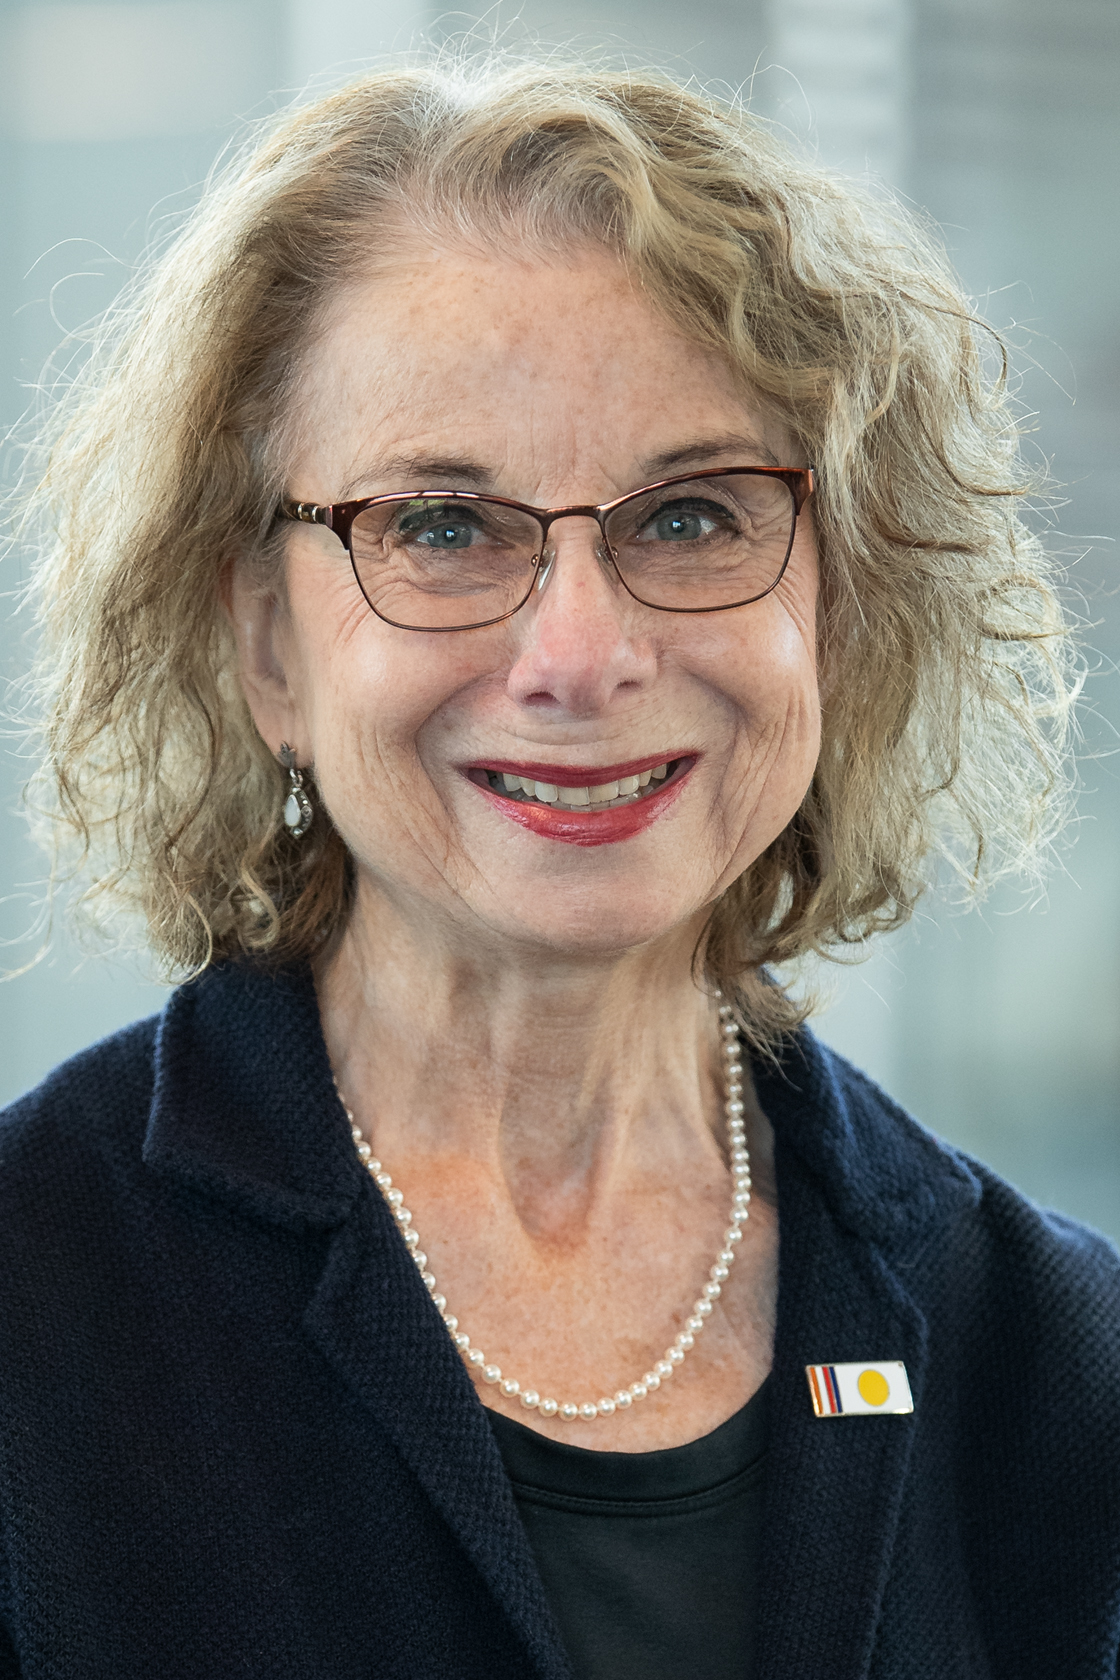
(574,826)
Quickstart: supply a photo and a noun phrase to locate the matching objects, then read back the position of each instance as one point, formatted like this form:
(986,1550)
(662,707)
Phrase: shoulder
(93,1106)
(969,1249)
(978,1247)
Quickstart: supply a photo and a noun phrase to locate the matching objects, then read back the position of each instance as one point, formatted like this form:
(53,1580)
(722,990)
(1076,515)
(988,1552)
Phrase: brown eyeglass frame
(339,517)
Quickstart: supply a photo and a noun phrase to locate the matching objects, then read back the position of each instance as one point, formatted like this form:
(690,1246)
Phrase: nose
(582,641)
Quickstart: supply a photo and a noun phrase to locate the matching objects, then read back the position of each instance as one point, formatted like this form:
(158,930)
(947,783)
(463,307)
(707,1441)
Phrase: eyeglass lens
(438,562)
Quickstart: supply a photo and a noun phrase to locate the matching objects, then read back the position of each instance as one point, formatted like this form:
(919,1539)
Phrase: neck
(557,1071)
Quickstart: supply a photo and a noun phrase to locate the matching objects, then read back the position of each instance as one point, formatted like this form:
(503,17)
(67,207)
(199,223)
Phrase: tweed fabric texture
(235,1439)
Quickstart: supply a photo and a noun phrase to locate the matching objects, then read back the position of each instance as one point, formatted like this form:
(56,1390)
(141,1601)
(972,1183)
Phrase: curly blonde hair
(946,669)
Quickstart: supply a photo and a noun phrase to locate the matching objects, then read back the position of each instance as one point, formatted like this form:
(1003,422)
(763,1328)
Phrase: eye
(440,527)
(686,521)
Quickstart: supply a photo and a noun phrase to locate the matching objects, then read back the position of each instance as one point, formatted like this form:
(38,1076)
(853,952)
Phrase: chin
(604,923)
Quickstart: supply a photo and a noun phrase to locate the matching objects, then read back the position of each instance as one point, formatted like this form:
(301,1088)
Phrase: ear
(266,657)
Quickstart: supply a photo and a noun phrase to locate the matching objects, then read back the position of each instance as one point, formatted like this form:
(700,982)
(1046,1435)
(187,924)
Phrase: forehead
(536,366)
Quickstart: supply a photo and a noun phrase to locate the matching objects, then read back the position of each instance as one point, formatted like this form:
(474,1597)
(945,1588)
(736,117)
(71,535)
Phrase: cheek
(775,699)
(771,678)
(353,674)
(371,696)
(369,713)
(764,657)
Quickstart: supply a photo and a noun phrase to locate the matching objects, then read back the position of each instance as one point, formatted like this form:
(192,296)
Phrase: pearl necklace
(702,1307)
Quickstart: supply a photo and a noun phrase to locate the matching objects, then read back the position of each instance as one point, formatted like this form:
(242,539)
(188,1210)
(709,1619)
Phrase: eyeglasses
(454,560)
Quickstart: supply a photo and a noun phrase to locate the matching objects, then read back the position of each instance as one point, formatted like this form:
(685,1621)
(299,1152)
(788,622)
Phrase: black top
(641,1552)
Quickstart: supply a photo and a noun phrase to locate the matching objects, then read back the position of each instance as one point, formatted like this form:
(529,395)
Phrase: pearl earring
(298,812)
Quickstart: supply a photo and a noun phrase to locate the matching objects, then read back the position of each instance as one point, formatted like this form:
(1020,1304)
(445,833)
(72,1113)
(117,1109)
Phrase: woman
(533,558)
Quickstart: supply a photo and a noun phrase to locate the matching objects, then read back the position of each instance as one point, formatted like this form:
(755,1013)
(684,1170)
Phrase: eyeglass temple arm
(312,513)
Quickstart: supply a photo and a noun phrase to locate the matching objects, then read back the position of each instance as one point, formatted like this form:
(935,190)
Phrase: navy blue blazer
(236,1440)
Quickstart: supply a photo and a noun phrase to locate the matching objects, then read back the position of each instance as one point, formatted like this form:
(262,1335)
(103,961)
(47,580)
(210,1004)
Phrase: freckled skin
(513,1019)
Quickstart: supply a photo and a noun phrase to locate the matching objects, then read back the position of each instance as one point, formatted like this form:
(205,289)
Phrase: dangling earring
(298,812)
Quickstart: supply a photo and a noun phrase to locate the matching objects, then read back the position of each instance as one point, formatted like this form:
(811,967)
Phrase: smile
(603,796)
(564,804)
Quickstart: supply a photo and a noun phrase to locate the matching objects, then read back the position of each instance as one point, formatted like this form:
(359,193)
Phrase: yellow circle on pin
(873,1387)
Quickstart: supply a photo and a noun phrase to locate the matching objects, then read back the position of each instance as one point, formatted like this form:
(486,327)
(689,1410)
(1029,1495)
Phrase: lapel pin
(859,1390)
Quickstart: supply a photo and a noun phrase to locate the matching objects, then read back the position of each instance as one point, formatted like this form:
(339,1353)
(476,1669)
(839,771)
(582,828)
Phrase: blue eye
(448,529)
(446,536)
(445,528)
(690,521)
(678,527)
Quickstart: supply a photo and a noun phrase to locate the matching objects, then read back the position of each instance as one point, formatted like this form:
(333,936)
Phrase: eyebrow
(435,472)
(449,472)
(748,450)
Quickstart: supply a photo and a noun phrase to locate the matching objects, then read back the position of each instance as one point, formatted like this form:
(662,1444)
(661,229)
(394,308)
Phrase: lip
(588,828)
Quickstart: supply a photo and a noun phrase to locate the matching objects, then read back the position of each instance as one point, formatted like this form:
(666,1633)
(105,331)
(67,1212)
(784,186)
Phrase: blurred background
(998,119)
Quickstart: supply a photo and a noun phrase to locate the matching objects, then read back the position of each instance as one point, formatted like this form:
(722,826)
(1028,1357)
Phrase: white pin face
(860,1390)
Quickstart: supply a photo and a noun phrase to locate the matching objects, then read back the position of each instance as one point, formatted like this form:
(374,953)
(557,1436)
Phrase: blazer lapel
(373,1319)
(244,1109)
(835,1484)
(854,1217)
(243,1102)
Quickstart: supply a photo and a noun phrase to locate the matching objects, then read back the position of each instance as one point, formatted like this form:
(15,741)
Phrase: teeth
(599,797)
